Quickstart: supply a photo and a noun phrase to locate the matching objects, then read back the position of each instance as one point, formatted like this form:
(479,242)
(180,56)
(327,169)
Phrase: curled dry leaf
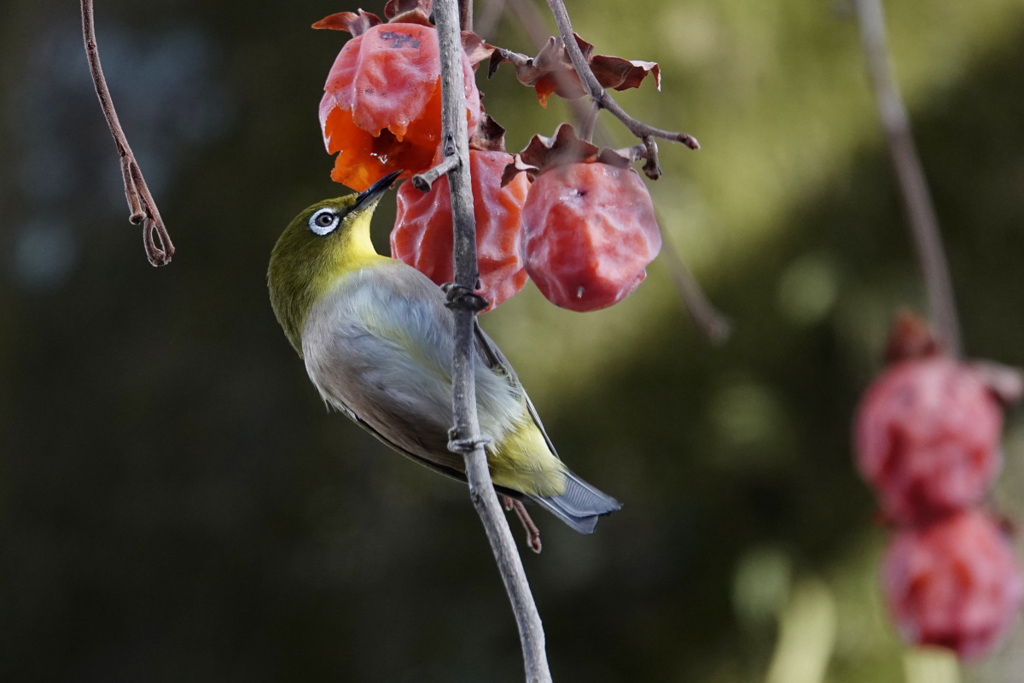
(476,48)
(1006,383)
(909,337)
(355,23)
(515,167)
(489,135)
(396,12)
(401,10)
(622,74)
(404,12)
(551,71)
(565,147)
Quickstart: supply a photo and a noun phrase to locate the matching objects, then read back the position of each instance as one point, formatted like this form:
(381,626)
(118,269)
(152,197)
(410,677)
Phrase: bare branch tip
(423,181)
(157,241)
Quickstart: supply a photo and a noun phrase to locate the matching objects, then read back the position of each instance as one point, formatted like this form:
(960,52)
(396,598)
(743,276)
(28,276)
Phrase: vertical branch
(141,204)
(924,225)
(466,432)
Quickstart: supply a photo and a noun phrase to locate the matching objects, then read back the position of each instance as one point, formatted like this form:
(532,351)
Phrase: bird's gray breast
(379,345)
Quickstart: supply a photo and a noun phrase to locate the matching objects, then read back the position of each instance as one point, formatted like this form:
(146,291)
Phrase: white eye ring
(324,221)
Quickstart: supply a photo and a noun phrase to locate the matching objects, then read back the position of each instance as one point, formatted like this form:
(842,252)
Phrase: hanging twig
(924,225)
(465,436)
(715,326)
(159,248)
(489,18)
(466,15)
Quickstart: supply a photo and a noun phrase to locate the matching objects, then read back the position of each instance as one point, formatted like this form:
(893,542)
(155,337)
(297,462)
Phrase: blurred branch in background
(924,225)
(931,665)
(159,248)
(807,633)
(708,319)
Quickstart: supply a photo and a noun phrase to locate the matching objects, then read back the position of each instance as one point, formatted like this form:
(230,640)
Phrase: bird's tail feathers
(580,505)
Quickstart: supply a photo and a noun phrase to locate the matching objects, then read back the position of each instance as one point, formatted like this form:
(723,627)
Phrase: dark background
(177,505)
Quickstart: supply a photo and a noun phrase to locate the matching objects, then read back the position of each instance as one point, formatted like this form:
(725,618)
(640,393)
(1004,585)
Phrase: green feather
(304,266)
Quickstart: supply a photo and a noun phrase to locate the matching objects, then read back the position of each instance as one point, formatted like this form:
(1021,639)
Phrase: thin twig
(466,432)
(924,226)
(489,18)
(599,94)
(159,248)
(715,326)
(588,123)
(466,15)
(423,181)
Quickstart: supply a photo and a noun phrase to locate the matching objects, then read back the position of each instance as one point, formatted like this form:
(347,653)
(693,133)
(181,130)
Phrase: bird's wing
(496,362)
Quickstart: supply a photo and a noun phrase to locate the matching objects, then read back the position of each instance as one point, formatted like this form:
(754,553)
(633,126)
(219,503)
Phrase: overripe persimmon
(422,236)
(381,109)
(589,233)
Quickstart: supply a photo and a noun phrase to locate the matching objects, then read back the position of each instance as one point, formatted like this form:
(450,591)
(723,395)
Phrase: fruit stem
(466,432)
(913,185)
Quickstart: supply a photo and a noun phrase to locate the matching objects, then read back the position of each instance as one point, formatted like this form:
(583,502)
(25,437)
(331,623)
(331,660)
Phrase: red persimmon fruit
(422,236)
(927,438)
(954,583)
(589,233)
(381,109)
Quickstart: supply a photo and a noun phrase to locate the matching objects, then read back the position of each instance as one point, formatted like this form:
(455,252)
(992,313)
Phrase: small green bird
(377,341)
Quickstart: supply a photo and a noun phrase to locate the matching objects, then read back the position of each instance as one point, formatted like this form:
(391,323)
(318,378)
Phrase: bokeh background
(177,505)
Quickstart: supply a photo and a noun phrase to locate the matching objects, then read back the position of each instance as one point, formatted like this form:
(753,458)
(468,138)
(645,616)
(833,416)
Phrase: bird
(377,342)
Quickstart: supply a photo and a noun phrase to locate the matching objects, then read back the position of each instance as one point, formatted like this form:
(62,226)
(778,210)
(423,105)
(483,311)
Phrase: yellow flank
(523,462)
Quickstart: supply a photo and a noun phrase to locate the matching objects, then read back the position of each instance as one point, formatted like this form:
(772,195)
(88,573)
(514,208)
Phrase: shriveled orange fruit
(381,109)
(422,236)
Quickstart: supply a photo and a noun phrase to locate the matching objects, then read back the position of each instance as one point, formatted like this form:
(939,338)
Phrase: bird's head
(324,242)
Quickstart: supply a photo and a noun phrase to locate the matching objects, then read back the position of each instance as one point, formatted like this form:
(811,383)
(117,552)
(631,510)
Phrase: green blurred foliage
(176,503)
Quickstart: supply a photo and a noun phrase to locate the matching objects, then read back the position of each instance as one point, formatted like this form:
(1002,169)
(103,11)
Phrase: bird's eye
(323,221)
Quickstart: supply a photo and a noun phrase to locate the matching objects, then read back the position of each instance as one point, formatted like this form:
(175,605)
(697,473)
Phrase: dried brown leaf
(489,135)
(476,49)
(518,166)
(395,8)
(621,74)
(552,71)
(566,147)
(355,23)
(1006,383)
(909,337)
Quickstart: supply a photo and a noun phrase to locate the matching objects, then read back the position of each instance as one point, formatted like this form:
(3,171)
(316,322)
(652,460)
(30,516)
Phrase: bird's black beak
(377,190)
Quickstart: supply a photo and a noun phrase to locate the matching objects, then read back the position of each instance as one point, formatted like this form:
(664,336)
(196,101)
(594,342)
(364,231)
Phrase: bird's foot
(463,297)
